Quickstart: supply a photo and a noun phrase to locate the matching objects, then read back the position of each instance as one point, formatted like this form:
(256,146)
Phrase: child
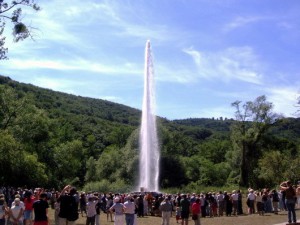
(178,213)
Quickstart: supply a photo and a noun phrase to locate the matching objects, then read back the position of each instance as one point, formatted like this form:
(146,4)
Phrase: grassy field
(267,219)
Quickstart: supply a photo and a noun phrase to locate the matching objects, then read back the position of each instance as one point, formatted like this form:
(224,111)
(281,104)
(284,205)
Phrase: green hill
(49,138)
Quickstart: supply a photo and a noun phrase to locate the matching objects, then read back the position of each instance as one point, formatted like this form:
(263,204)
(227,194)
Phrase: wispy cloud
(174,74)
(236,63)
(284,97)
(58,84)
(241,21)
(78,65)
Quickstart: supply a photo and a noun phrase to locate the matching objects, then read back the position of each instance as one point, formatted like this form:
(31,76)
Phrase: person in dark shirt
(185,209)
(68,213)
(40,208)
(290,200)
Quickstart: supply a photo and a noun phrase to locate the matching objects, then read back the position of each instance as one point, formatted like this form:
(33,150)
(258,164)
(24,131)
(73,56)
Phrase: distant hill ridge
(48,99)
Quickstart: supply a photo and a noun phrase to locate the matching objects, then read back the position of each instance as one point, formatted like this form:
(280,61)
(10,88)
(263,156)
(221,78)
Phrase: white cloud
(175,74)
(284,98)
(57,84)
(241,21)
(78,65)
(236,63)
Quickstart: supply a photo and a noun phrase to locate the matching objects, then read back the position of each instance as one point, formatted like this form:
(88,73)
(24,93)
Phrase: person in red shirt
(196,210)
(28,202)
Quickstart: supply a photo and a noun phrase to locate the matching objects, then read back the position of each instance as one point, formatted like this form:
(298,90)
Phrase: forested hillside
(50,138)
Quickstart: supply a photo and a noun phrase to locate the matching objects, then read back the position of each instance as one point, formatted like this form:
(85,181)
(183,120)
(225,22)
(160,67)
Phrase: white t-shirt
(91,208)
(15,210)
(251,196)
(129,207)
(235,197)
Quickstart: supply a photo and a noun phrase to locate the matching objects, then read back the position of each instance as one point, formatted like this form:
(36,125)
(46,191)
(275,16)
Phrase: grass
(255,219)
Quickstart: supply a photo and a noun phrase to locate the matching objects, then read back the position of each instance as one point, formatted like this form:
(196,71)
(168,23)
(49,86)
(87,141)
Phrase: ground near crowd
(255,219)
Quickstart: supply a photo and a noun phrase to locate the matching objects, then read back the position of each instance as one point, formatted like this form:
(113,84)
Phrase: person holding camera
(290,200)
(68,212)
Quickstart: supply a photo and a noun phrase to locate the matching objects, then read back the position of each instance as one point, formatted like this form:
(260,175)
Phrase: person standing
(40,208)
(140,204)
(220,201)
(290,200)
(298,194)
(91,210)
(68,212)
(235,198)
(275,201)
(16,213)
(118,208)
(28,202)
(185,210)
(166,209)
(129,209)
(196,210)
(98,209)
(250,201)
(3,210)
(240,204)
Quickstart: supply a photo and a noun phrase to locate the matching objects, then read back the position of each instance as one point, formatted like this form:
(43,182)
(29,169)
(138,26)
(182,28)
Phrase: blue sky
(207,53)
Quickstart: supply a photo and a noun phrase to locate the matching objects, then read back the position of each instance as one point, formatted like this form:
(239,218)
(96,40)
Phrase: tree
(90,170)
(273,166)
(11,105)
(253,120)
(12,13)
(68,157)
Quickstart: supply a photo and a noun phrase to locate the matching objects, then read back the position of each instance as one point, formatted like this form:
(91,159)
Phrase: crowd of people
(30,206)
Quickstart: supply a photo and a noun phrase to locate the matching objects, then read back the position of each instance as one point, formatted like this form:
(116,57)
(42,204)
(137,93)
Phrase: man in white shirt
(235,198)
(129,209)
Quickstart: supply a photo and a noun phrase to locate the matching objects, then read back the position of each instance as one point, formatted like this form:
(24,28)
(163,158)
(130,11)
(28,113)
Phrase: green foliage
(253,121)
(109,164)
(90,170)
(106,186)
(68,158)
(273,166)
(51,138)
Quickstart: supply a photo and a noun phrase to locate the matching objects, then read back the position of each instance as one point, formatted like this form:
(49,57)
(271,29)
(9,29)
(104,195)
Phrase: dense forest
(49,138)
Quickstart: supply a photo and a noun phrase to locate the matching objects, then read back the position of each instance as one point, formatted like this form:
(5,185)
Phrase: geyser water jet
(149,151)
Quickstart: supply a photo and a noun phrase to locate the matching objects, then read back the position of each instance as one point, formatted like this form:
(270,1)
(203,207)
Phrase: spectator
(166,209)
(290,195)
(91,210)
(40,208)
(118,209)
(3,210)
(185,210)
(196,210)
(28,202)
(68,212)
(16,213)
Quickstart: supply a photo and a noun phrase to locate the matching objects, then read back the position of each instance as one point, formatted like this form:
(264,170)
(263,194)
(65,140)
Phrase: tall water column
(149,151)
